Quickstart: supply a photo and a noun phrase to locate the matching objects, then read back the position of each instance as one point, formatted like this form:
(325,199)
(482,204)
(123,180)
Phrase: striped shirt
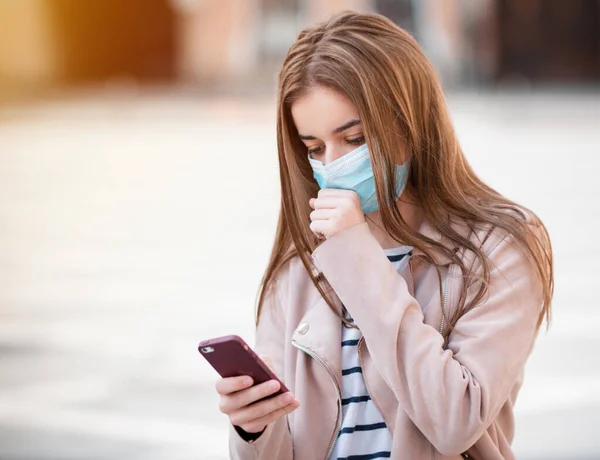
(364,434)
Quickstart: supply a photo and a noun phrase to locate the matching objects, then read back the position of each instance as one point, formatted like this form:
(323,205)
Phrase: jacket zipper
(316,357)
(445,297)
(338,423)
(442,323)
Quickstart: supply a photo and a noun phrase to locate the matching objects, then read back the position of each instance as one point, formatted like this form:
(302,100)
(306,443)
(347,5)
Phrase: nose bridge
(332,153)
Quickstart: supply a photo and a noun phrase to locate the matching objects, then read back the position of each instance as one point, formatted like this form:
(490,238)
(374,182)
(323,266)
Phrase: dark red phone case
(232,357)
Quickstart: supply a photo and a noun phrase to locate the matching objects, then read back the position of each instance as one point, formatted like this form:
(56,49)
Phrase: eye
(356,141)
(315,150)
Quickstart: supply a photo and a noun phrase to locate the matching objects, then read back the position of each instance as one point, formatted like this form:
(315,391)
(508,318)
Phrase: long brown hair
(382,70)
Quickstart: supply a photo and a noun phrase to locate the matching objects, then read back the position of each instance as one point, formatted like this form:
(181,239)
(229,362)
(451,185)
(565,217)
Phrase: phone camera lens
(207,350)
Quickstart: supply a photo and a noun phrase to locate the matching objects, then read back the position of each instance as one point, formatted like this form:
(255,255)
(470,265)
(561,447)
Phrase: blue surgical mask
(354,171)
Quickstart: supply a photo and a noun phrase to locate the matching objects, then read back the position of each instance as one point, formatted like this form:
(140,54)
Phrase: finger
(232,403)
(311,203)
(320,214)
(334,192)
(255,426)
(259,410)
(338,194)
(320,228)
(326,203)
(231,385)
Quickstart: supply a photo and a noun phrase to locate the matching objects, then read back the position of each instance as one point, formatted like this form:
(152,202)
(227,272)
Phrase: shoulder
(522,228)
(505,273)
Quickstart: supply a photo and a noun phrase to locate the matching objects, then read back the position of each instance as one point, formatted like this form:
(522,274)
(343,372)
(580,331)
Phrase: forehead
(319,111)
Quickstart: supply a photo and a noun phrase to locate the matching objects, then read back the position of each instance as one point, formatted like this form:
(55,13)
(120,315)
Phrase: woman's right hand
(238,401)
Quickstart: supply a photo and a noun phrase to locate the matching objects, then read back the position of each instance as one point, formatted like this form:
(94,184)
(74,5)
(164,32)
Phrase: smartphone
(230,356)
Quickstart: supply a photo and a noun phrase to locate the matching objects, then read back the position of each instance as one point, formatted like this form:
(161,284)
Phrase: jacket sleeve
(452,394)
(276,441)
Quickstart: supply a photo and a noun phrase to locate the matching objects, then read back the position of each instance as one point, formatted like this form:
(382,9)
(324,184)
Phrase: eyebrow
(337,130)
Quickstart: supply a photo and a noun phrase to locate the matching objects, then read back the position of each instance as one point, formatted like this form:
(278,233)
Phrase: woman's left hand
(335,211)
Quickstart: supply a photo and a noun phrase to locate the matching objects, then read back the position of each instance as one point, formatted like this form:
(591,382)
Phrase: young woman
(403,295)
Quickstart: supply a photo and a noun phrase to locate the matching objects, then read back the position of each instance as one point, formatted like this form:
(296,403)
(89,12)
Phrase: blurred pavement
(133,226)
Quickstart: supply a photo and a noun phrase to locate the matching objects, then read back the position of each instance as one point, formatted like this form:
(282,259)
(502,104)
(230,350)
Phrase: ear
(403,153)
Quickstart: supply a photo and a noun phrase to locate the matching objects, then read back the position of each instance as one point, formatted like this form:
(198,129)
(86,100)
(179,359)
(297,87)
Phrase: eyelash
(356,141)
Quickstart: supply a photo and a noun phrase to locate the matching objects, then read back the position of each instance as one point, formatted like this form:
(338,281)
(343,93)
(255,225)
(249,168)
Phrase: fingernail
(288,398)
(247,381)
(273,385)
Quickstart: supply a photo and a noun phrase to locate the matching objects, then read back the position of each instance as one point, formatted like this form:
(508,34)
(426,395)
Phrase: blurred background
(139,196)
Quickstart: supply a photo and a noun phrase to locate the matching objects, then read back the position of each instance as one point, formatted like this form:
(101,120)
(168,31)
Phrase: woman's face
(328,124)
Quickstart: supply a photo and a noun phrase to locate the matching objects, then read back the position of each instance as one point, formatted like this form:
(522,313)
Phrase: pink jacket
(438,400)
